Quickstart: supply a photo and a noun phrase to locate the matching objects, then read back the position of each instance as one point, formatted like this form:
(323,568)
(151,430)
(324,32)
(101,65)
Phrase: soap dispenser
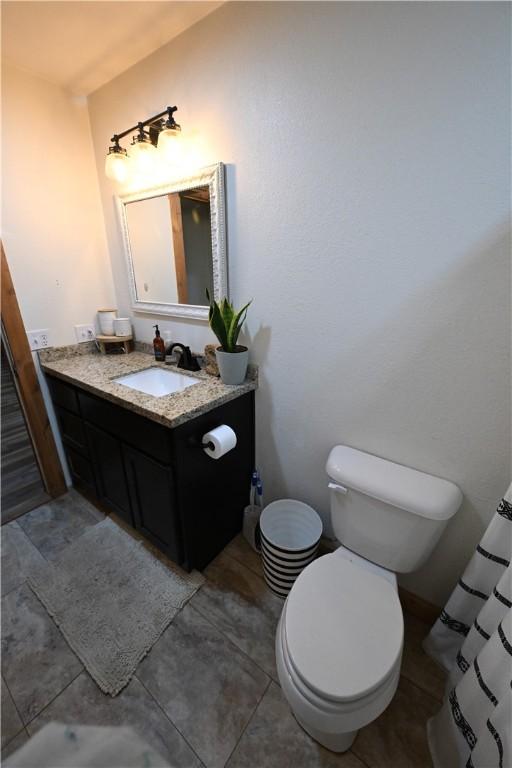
(169,358)
(158,345)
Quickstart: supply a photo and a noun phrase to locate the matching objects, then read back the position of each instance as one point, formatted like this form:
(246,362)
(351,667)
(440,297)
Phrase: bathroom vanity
(141,456)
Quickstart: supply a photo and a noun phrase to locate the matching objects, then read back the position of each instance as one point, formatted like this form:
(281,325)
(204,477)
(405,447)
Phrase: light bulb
(144,156)
(117,165)
(169,145)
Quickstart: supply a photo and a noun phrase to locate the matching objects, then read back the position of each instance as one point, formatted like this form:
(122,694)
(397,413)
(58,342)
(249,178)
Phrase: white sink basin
(157,382)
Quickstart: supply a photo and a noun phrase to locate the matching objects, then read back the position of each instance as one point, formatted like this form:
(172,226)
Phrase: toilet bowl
(340,636)
(339,646)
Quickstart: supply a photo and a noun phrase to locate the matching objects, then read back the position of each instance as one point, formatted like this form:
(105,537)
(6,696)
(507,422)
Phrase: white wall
(367,202)
(52,222)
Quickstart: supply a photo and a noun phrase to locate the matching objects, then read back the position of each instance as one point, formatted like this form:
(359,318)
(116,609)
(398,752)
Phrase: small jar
(122,326)
(106,319)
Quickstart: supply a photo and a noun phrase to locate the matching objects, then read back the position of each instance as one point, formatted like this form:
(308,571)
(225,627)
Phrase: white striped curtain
(472,640)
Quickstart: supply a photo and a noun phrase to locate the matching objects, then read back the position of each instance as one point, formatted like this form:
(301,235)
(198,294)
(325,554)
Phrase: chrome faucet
(187,361)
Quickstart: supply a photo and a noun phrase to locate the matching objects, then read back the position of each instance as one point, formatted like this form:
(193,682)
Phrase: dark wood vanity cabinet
(106,454)
(157,479)
(153,502)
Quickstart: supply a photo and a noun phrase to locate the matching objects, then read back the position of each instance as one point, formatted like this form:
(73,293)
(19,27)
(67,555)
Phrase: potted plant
(226,324)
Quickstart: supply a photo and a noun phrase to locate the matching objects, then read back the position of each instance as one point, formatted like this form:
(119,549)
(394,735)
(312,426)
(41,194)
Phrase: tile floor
(207,694)
(22,487)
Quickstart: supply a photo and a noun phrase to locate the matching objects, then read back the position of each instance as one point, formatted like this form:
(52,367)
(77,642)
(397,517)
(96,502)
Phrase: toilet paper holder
(219,441)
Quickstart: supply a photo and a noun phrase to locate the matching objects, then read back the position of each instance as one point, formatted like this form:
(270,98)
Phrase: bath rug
(111,599)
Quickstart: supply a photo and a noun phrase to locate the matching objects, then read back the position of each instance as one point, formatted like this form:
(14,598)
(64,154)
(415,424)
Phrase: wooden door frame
(27,384)
(179,247)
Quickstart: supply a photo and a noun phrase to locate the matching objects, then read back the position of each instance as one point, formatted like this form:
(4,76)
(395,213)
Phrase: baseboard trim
(418,606)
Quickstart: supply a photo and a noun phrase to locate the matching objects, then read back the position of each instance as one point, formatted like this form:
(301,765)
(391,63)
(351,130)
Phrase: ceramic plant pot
(232,365)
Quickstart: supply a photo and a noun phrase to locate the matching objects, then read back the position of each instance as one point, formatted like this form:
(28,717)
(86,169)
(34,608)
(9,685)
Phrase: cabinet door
(72,429)
(212,493)
(109,468)
(153,501)
(81,469)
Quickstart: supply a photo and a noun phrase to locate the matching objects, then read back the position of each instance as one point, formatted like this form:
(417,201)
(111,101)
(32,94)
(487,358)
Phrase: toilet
(340,636)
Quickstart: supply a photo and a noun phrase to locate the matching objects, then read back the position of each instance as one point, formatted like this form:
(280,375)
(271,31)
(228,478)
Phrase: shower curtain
(472,640)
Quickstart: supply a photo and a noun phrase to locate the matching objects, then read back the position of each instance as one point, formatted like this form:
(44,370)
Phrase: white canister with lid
(122,326)
(106,319)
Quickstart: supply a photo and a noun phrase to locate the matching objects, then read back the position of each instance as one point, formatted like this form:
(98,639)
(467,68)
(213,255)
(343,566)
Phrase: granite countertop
(94,373)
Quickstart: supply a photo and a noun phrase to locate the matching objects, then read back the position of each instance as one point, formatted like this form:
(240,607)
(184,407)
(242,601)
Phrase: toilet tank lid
(394,484)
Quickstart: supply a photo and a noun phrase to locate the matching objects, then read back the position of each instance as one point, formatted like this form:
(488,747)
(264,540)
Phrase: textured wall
(52,221)
(367,199)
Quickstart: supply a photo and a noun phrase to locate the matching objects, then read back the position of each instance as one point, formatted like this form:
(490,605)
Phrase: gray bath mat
(111,599)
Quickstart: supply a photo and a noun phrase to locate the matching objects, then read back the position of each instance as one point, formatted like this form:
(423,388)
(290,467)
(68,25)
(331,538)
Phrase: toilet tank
(390,514)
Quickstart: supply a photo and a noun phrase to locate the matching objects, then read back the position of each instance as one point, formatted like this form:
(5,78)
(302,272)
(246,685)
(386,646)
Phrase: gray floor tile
(60,522)
(11,721)
(37,663)
(416,665)
(204,684)
(200,671)
(239,603)
(83,703)
(398,738)
(274,739)
(239,549)
(14,745)
(19,556)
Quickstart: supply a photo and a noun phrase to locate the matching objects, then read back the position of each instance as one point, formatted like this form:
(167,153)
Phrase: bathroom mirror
(175,244)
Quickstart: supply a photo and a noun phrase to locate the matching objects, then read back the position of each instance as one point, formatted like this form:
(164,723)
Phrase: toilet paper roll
(219,441)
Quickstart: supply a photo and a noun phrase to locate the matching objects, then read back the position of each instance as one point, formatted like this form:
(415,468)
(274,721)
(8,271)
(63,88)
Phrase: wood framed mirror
(175,244)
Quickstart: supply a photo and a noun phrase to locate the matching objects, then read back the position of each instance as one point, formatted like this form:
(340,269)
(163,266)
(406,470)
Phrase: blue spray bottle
(254,482)
(259,507)
(252,512)
(259,494)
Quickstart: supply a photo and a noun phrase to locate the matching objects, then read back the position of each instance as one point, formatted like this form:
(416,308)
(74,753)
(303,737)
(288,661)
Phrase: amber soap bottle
(158,345)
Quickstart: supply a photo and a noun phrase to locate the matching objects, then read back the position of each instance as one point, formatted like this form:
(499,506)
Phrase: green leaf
(236,326)
(210,310)
(217,325)
(225,322)
(227,312)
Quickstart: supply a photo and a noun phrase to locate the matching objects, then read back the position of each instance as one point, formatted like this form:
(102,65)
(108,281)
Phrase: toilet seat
(343,628)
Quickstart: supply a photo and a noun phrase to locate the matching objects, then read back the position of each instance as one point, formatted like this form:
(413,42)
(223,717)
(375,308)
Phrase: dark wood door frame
(29,391)
(179,247)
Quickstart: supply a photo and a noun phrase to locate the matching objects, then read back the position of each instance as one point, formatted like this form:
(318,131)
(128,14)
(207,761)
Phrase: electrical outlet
(39,339)
(84,333)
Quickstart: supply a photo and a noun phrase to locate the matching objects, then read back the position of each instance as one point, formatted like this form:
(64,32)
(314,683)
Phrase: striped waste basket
(290,534)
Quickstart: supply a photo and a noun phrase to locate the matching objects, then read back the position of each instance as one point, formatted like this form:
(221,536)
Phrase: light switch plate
(39,339)
(84,333)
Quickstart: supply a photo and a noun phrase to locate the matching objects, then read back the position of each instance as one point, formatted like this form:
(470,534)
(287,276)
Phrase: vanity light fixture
(168,139)
(142,150)
(117,164)
(153,137)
